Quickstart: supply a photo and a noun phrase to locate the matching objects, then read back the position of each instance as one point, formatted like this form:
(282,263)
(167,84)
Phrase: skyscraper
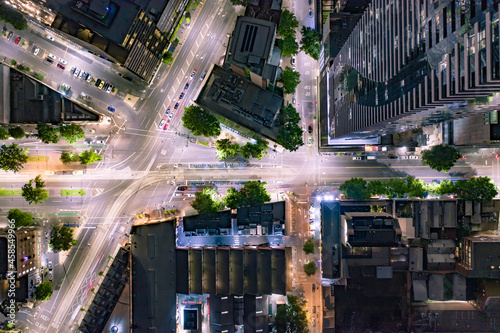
(409,63)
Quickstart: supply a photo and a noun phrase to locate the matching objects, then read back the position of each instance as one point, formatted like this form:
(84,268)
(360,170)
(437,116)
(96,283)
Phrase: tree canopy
(34,192)
(288,46)
(88,156)
(309,246)
(252,194)
(67,157)
(167,57)
(310,268)
(200,121)
(291,80)
(9,15)
(311,42)
(292,317)
(47,134)
(205,202)
(21,219)
(43,291)
(290,134)
(257,150)
(61,238)
(288,24)
(440,157)
(226,149)
(71,133)
(17,132)
(356,189)
(476,188)
(4,134)
(12,158)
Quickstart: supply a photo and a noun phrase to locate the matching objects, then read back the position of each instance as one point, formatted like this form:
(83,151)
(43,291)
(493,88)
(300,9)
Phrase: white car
(49,37)
(403,157)
(62,61)
(52,56)
(413,157)
(49,173)
(100,142)
(293,60)
(357,158)
(36,51)
(162,123)
(78,172)
(190,194)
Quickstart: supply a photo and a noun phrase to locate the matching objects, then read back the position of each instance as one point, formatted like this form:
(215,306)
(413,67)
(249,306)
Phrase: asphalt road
(143,165)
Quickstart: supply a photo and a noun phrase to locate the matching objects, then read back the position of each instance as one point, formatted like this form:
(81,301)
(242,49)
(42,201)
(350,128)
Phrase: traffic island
(73,193)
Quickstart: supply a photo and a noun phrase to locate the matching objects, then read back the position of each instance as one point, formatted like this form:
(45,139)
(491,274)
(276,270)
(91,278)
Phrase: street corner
(131,100)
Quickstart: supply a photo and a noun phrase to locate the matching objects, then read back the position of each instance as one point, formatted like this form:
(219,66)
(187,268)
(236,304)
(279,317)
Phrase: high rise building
(411,63)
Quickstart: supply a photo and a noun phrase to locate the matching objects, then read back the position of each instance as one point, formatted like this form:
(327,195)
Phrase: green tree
(376,187)
(47,134)
(311,42)
(67,158)
(17,132)
(71,133)
(21,219)
(168,57)
(290,134)
(356,189)
(476,189)
(4,134)
(205,202)
(43,291)
(288,24)
(12,157)
(288,46)
(310,268)
(257,150)
(396,188)
(88,156)
(34,192)
(226,149)
(309,246)
(440,157)
(61,238)
(200,121)
(416,187)
(444,187)
(292,317)
(291,80)
(233,198)
(13,17)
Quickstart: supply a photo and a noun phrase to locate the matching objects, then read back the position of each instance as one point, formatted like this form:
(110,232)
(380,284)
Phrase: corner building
(410,63)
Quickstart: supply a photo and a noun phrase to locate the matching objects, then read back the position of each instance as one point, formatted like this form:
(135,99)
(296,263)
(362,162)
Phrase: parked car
(50,276)
(88,142)
(89,78)
(105,87)
(203,76)
(62,61)
(78,172)
(186,86)
(82,75)
(49,60)
(309,129)
(77,72)
(52,56)
(9,36)
(60,66)
(193,74)
(36,50)
(310,13)
(98,82)
(190,194)
(293,60)
(413,157)
(176,106)
(181,188)
(110,88)
(165,127)
(403,157)
(49,265)
(73,69)
(100,142)
(177,194)
(181,95)
(111,109)
(162,123)
(294,100)
(356,158)
(167,112)
(18,39)
(49,37)
(101,84)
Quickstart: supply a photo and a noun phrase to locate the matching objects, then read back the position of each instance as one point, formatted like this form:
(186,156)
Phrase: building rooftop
(153,277)
(239,100)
